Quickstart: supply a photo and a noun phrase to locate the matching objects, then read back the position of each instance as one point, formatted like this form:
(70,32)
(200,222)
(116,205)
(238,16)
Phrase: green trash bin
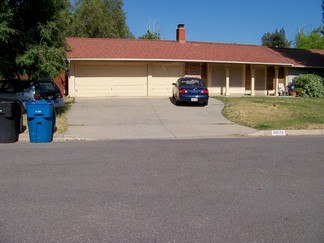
(10,121)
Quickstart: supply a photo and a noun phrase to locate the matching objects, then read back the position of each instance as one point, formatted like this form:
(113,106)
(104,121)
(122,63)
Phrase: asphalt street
(266,189)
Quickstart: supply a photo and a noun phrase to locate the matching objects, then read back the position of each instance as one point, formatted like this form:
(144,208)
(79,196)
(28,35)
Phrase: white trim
(176,60)
(149,79)
(71,81)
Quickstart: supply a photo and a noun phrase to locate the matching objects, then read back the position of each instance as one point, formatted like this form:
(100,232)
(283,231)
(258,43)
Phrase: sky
(225,21)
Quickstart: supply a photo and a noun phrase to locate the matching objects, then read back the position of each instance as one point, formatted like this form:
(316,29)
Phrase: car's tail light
(205,91)
(37,97)
(183,91)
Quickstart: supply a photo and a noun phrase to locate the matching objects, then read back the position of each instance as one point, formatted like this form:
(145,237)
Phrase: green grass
(61,119)
(268,113)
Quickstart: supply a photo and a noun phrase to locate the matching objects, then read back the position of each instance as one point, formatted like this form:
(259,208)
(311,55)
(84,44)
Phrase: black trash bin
(10,121)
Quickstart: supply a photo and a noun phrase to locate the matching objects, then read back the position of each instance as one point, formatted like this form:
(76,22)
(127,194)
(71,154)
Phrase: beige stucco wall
(107,78)
(163,75)
(103,78)
(100,79)
(222,72)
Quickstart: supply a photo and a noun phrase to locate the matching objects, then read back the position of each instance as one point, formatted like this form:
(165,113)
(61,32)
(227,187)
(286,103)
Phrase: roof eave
(302,66)
(179,60)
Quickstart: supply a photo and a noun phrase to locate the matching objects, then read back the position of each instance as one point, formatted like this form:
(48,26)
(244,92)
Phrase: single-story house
(101,67)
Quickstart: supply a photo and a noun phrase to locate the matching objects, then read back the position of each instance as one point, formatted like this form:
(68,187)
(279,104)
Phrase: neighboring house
(131,67)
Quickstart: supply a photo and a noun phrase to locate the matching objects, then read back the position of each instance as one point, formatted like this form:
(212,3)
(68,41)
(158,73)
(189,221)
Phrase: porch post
(286,76)
(252,81)
(209,75)
(244,79)
(227,81)
(276,80)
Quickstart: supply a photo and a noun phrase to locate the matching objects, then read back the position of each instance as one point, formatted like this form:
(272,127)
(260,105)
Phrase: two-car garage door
(110,80)
(132,79)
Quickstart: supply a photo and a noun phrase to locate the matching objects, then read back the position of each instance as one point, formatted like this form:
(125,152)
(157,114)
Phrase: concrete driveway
(147,118)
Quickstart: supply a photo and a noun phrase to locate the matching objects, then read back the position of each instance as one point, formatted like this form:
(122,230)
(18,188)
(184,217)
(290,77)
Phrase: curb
(302,132)
(24,137)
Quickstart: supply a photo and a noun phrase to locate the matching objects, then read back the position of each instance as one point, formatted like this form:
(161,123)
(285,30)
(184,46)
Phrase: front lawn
(267,113)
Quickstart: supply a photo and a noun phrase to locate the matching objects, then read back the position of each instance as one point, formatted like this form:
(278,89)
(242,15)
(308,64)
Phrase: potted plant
(292,89)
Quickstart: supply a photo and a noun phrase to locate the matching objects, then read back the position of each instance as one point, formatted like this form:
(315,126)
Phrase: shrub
(309,85)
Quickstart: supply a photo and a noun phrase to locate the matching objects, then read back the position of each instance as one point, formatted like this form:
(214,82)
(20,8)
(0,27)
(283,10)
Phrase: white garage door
(93,80)
(163,75)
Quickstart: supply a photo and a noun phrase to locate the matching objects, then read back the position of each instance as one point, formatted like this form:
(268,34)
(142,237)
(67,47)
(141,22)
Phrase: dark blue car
(190,89)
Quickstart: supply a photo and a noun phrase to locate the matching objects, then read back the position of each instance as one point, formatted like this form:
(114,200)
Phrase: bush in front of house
(309,85)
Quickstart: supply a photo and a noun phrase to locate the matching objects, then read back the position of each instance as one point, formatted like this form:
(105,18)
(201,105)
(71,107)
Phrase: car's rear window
(46,87)
(15,86)
(191,83)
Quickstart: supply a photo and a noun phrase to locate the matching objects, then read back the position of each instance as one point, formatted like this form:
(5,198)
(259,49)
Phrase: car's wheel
(176,102)
(204,103)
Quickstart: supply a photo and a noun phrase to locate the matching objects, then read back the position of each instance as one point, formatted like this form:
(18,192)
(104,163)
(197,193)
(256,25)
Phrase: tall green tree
(313,40)
(33,39)
(99,18)
(277,39)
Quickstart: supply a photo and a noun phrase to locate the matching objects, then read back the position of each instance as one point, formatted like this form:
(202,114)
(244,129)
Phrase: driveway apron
(147,118)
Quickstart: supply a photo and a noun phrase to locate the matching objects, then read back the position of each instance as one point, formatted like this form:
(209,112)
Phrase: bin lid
(39,108)
(10,108)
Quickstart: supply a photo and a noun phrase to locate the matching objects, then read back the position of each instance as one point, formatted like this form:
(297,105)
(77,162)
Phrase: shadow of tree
(68,103)
(301,57)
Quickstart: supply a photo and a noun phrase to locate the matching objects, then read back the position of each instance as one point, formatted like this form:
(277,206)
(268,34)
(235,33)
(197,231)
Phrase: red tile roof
(163,50)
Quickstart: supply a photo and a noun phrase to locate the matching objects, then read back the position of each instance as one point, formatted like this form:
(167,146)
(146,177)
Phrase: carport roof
(166,50)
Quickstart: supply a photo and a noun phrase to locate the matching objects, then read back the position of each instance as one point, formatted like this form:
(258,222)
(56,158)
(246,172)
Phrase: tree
(323,12)
(276,39)
(152,32)
(5,18)
(99,18)
(33,39)
(313,40)
(151,35)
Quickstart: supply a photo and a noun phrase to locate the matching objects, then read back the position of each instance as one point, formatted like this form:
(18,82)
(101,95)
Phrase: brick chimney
(181,33)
